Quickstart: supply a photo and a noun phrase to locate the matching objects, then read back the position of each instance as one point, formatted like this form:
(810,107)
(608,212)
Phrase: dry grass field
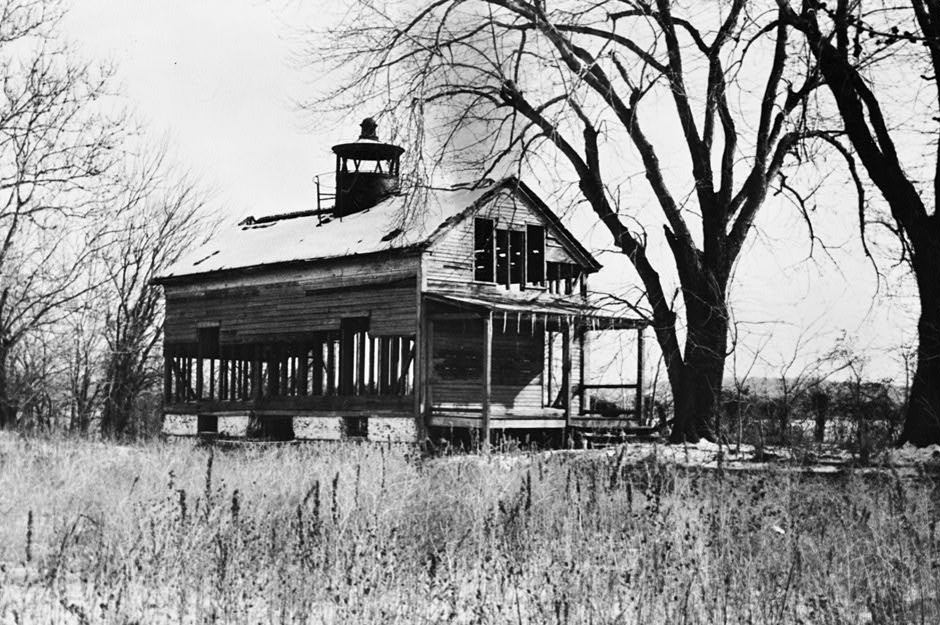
(344,533)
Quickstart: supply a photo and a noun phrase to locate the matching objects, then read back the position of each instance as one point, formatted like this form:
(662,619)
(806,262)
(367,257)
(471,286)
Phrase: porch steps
(596,438)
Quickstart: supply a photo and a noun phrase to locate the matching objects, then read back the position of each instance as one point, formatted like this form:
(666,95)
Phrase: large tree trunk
(120,394)
(8,406)
(696,387)
(115,413)
(922,421)
(112,417)
(866,127)
(696,402)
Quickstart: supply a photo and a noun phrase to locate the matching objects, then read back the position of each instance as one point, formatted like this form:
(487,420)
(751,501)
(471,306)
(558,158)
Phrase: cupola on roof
(366,171)
(368,147)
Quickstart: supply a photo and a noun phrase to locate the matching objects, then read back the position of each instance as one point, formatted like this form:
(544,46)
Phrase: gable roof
(554,220)
(301,237)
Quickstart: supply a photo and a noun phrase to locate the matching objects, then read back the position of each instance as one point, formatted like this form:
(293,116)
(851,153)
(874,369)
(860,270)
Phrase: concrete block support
(234,426)
(393,429)
(180,424)
(318,428)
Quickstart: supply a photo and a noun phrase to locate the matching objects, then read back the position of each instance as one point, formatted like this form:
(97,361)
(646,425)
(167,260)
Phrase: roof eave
(576,245)
(254,269)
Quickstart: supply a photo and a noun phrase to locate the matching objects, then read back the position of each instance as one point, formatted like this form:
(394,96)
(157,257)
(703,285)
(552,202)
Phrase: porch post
(421,356)
(566,371)
(428,408)
(256,378)
(346,360)
(199,355)
(223,374)
(583,367)
(487,378)
(167,374)
(639,374)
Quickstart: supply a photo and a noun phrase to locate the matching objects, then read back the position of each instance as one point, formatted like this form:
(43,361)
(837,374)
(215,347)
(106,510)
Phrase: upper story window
(564,278)
(508,256)
(208,338)
(483,250)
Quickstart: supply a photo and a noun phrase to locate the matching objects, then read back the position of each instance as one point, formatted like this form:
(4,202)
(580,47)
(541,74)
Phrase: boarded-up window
(517,358)
(209,342)
(535,254)
(483,250)
(458,350)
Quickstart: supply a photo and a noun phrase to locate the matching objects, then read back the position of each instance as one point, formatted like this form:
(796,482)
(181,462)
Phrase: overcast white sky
(216,78)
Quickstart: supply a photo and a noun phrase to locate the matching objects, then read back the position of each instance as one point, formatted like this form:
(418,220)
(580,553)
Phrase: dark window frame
(517,257)
(535,254)
(507,256)
(484,250)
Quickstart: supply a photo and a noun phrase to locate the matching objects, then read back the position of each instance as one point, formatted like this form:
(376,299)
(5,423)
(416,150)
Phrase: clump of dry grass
(353,533)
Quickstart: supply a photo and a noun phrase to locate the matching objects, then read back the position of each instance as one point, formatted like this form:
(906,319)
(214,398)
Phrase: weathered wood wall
(450,259)
(518,367)
(284,304)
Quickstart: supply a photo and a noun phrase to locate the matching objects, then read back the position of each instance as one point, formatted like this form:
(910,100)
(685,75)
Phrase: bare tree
(861,48)
(800,372)
(36,369)
(55,145)
(739,403)
(160,216)
(82,340)
(512,83)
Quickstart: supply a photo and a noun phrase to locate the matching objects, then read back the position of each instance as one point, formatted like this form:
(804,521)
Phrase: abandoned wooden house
(390,317)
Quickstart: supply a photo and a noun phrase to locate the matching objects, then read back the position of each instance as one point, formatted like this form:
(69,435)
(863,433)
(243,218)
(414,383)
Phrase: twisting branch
(518,73)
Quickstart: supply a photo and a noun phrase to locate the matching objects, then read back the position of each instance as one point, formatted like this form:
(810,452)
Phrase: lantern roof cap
(368,147)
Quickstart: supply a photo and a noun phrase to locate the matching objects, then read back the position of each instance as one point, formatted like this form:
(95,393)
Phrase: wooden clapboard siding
(450,258)
(279,306)
(554,251)
(457,362)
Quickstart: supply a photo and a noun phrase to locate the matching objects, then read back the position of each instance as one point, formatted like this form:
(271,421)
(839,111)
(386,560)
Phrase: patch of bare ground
(345,533)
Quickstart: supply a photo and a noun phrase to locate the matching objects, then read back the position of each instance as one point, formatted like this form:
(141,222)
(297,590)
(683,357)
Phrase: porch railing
(593,404)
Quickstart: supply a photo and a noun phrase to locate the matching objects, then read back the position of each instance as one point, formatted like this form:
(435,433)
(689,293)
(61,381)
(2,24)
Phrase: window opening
(535,254)
(356,427)
(562,277)
(483,250)
(207,424)
(508,256)
(517,257)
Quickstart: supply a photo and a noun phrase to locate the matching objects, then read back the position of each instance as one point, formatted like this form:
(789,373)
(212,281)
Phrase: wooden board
(403,404)
(463,421)
(457,366)
(286,310)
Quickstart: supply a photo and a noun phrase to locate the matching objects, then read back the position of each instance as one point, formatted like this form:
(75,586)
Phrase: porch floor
(551,419)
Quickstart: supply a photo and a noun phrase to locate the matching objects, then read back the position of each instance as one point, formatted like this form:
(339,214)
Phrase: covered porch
(507,364)
(330,384)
